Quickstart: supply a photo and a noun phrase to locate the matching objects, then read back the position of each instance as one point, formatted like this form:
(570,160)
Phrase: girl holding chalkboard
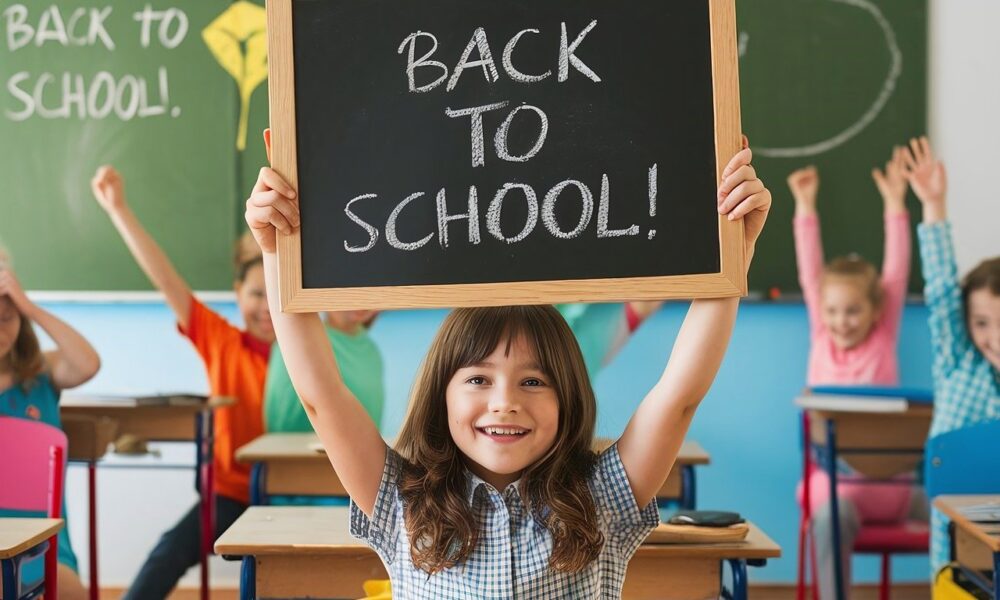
(492,489)
(854,316)
(30,384)
(236,364)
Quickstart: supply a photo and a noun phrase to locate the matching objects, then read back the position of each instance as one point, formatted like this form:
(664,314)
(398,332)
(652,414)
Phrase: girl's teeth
(500,431)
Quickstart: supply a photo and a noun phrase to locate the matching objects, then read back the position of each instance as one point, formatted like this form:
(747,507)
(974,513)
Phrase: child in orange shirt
(236,364)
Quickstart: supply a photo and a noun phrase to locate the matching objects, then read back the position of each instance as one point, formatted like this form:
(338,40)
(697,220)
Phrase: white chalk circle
(888,87)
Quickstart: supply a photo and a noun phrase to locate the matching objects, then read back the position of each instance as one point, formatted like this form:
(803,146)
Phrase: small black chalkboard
(455,152)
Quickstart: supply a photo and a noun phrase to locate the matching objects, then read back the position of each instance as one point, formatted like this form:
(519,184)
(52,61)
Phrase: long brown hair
(25,358)
(985,275)
(439,521)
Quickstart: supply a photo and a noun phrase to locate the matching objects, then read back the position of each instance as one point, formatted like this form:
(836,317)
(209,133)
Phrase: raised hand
(742,195)
(11,287)
(804,184)
(927,177)
(109,189)
(891,182)
(271,207)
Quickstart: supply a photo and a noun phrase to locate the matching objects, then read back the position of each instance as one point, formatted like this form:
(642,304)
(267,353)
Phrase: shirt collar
(473,482)
(255,345)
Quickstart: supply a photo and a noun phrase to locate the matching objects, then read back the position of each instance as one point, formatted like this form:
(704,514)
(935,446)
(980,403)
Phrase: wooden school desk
(879,432)
(975,545)
(92,421)
(308,552)
(294,464)
(21,539)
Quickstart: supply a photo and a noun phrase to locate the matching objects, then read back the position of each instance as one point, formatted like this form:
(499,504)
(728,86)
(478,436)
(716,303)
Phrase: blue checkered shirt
(511,559)
(966,386)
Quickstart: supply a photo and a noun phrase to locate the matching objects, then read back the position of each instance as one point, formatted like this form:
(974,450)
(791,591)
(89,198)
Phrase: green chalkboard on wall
(156,89)
(833,83)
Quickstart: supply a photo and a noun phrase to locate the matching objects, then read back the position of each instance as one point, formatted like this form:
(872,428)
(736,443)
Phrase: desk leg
(248,578)
(996,575)
(831,468)
(688,489)
(952,552)
(11,582)
(805,515)
(739,568)
(204,441)
(94,585)
(258,474)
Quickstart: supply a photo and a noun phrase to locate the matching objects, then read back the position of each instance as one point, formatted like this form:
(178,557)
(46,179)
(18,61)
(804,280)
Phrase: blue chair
(966,461)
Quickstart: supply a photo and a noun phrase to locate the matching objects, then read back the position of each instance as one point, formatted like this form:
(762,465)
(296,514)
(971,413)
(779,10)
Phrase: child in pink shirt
(854,317)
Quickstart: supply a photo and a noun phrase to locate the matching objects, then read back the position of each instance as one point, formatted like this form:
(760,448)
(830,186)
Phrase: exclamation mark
(652,197)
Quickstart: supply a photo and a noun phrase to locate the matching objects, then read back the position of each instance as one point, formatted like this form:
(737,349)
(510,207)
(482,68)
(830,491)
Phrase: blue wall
(747,423)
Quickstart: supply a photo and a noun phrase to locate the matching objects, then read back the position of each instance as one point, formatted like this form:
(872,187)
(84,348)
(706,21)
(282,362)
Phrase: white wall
(964,100)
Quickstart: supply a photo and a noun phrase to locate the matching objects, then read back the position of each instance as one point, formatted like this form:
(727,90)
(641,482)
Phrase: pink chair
(32,475)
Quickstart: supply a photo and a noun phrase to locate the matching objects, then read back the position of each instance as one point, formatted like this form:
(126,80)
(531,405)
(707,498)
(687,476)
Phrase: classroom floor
(906,591)
(757,592)
(183,594)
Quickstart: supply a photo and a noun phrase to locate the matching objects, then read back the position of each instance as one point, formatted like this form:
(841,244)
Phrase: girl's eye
(477,380)
(534,382)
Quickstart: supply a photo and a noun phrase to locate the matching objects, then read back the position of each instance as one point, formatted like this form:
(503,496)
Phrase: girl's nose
(502,400)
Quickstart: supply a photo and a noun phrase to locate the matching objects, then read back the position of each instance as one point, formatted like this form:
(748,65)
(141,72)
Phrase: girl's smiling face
(847,313)
(503,413)
(251,298)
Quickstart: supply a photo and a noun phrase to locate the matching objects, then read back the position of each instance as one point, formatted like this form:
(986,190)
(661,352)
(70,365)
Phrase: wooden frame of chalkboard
(726,276)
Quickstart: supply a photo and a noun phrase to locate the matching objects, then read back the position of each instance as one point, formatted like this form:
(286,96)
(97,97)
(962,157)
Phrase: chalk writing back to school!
(591,200)
(99,95)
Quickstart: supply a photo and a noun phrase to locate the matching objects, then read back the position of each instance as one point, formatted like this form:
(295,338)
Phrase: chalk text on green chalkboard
(127,97)
(84,27)
(101,95)
(171,18)
(566,57)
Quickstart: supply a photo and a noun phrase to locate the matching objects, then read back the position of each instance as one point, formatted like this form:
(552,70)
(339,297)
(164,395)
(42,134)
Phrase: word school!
(545,212)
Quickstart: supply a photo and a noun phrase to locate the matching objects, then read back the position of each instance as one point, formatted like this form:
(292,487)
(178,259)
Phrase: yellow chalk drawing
(238,39)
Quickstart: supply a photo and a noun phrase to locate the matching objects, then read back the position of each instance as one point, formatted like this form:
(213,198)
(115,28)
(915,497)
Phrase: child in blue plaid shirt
(492,490)
(964,321)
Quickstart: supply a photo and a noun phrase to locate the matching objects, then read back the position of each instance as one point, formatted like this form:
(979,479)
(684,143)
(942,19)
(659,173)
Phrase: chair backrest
(34,460)
(964,461)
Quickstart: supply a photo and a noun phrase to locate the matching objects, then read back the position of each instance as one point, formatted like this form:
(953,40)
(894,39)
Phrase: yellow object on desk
(377,589)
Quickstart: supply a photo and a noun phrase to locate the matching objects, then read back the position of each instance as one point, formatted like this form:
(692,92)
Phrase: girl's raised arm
(109,190)
(942,292)
(804,184)
(654,435)
(352,441)
(892,185)
(74,361)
